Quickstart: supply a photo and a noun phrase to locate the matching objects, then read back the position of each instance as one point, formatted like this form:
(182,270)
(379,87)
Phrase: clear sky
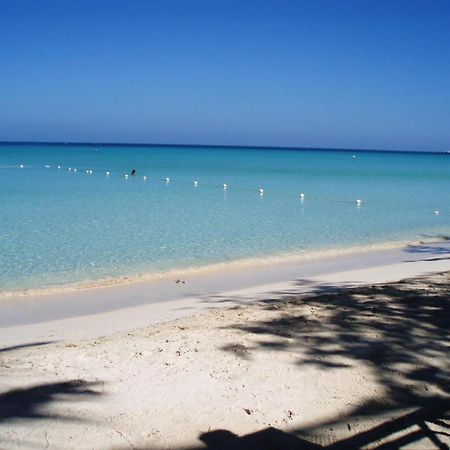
(314,73)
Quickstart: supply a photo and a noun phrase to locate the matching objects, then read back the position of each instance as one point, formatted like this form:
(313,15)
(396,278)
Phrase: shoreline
(99,312)
(303,257)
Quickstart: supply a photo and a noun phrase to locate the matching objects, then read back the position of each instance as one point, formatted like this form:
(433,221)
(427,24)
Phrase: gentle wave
(228,266)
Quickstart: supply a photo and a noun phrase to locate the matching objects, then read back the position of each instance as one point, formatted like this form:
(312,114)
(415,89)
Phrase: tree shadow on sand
(36,402)
(398,330)
(431,252)
(31,402)
(21,346)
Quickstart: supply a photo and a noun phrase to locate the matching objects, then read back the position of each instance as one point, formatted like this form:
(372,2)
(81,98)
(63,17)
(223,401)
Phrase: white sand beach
(336,353)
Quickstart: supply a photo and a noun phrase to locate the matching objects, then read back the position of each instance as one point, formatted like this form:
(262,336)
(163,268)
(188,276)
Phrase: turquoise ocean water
(61,227)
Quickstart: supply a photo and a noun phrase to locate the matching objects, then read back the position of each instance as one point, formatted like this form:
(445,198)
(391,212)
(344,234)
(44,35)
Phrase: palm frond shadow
(399,330)
(31,402)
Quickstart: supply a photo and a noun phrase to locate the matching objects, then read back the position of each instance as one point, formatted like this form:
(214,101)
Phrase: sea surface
(62,227)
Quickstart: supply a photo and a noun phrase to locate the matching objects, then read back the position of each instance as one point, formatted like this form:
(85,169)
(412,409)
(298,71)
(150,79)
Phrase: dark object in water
(133,172)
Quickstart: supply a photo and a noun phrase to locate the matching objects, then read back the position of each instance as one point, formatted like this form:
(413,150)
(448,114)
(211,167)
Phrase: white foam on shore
(226,266)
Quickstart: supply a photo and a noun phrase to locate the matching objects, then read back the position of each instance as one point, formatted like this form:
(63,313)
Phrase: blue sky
(318,73)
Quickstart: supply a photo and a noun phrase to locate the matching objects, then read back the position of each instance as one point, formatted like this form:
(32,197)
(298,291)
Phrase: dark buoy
(133,172)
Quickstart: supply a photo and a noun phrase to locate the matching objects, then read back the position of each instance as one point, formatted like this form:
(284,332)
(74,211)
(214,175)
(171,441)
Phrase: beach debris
(248,411)
(180,281)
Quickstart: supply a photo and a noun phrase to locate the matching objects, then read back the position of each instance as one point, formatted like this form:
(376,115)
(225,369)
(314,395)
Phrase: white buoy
(302,196)
(126,176)
(436,212)
(59,167)
(225,185)
(74,170)
(107,174)
(354,156)
(261,191)
(90,171)
(70,169)
(87,171)
(358,202)
(145,178)
(195,183)
(21,166)
(47,166)
(167,180)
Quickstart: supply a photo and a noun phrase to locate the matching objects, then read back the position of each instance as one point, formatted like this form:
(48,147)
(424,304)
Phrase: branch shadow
(398,330)
(435,252)
(30,402)
(36,402)
(416,423)
(21,346)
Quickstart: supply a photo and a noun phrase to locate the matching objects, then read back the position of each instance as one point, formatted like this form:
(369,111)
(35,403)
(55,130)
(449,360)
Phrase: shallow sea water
(60,227)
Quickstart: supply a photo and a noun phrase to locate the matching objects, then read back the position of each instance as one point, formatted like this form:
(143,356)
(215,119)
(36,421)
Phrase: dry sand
(356,368)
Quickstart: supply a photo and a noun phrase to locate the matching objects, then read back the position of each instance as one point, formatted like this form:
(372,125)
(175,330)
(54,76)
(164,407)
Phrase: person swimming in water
(133,172)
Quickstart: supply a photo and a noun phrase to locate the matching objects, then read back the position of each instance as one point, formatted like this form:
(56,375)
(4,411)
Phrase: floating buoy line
(359,202)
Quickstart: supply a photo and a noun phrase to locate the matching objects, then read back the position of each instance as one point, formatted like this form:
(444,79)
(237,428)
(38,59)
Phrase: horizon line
(255,147)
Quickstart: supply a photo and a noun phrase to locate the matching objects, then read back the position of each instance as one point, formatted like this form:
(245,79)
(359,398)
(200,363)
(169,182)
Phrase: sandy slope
(294,370)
